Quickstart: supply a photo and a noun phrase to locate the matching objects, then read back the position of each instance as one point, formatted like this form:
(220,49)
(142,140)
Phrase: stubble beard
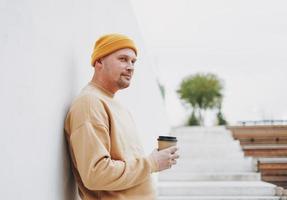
(123,83)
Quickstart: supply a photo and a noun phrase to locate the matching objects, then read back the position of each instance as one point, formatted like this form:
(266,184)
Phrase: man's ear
(99,60)
(98,63)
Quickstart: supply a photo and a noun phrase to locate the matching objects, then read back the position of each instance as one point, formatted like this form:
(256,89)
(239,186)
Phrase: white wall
(45,49)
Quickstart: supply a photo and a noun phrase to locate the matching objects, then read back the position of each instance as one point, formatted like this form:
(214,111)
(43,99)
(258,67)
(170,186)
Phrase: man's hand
(165,158)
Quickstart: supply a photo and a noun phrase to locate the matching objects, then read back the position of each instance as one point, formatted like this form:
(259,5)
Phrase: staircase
(212,167)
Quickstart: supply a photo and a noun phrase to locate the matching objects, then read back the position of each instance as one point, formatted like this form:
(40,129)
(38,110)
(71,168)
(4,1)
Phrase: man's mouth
(127,76)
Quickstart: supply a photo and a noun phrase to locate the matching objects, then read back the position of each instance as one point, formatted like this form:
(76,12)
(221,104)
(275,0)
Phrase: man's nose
(130,66)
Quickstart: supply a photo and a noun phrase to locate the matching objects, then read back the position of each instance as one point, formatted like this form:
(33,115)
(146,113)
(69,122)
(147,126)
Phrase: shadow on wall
(69,186)
(70,189)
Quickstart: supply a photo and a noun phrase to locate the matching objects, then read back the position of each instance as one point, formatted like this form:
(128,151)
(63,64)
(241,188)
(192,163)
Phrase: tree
(220,118)
(162,89)
(192,120)
(201,92)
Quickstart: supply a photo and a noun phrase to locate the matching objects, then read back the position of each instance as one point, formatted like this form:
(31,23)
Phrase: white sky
(244,42)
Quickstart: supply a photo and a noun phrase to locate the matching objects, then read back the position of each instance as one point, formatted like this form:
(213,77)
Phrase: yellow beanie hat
(110,43)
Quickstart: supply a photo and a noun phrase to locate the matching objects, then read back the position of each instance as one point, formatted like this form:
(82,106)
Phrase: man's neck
(103,85)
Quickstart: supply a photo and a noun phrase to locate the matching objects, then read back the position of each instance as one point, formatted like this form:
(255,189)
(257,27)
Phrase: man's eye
(122,59)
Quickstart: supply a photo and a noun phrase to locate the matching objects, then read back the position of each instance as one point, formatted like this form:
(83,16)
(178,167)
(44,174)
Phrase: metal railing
(263,122)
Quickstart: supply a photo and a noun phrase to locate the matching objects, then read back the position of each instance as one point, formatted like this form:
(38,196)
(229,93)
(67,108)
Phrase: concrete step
(214,165)
(204,153)
(209,140)
(218,198)
(224,137)
(195,135)
(205,150)
(211,154)
(189,143)
(186,176)
(201,130)
(220,146)
(209,188)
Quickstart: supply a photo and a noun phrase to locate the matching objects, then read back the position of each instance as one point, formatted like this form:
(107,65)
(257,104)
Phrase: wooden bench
(265,151)
(268,145)
(260,134)
(273,170)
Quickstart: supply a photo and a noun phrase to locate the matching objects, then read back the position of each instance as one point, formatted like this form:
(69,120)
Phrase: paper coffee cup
(166,141)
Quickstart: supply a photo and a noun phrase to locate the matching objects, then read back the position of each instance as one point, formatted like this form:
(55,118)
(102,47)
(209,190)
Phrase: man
(107,158)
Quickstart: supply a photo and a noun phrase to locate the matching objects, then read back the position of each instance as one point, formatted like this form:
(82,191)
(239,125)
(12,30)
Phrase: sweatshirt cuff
(153,164)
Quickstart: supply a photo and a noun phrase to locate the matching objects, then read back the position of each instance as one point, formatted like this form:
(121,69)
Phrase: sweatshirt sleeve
(96,168)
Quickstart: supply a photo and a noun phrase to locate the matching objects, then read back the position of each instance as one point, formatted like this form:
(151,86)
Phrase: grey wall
(45,49)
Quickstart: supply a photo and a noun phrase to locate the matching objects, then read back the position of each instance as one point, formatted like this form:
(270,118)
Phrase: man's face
(118,68)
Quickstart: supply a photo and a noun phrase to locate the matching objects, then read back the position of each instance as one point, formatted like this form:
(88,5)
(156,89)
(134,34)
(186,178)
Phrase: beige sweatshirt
(107,158)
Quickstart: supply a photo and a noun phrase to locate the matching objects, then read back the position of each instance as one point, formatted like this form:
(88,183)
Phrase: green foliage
(220,119)
(162,89)
(192,120)
(202,92)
